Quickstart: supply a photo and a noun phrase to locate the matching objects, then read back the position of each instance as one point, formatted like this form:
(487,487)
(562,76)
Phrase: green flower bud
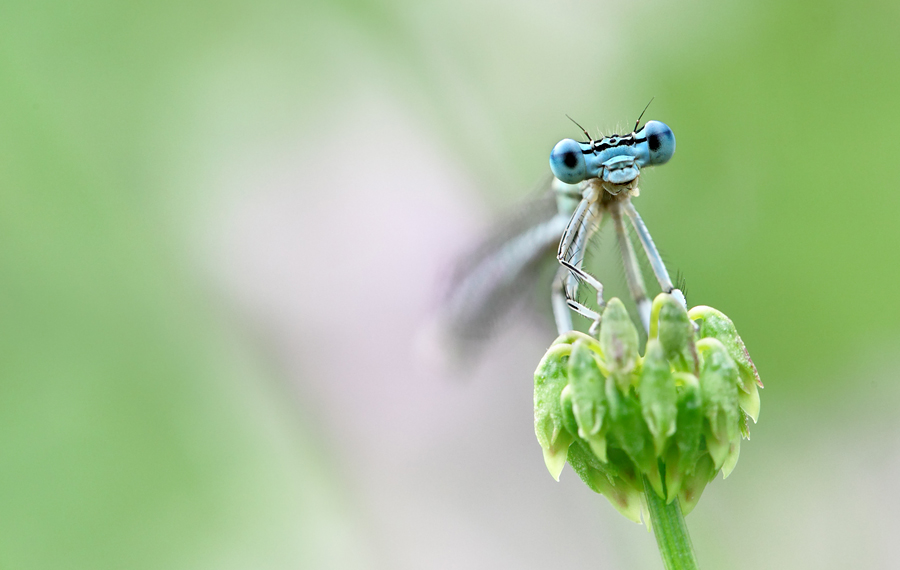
(688,442)
(588,395)
(675,416)
(695,482)
(719,387)
(669,322)
(550,378)
(619,343)
(714,324)
(658,395)
(631,434)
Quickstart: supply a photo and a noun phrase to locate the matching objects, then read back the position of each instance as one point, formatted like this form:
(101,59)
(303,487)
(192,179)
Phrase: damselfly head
(567,161)
(660,140)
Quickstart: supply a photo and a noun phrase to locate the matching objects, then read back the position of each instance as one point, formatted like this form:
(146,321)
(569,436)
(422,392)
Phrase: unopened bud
(675,416)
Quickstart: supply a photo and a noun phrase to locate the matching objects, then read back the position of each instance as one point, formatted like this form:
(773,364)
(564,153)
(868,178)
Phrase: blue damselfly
(590,180)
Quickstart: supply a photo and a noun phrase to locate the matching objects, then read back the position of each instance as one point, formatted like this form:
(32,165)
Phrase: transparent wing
(514,264)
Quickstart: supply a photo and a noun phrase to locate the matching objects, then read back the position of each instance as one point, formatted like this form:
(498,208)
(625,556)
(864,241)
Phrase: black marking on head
(570,160)
(613,141)
(654,142)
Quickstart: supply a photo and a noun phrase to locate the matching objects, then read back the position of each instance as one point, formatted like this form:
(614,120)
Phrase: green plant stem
(671,533)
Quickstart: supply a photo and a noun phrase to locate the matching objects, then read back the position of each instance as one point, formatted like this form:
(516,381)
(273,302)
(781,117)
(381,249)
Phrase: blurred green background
(221,224)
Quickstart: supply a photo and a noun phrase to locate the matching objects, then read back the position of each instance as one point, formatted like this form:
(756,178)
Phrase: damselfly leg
(656,262)
(632,269)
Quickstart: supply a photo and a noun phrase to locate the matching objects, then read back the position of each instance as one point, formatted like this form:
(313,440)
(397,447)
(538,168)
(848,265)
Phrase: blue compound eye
(661,141)
(567,162)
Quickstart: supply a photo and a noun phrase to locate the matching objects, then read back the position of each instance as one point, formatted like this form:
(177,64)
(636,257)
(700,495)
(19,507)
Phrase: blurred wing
(501,271)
